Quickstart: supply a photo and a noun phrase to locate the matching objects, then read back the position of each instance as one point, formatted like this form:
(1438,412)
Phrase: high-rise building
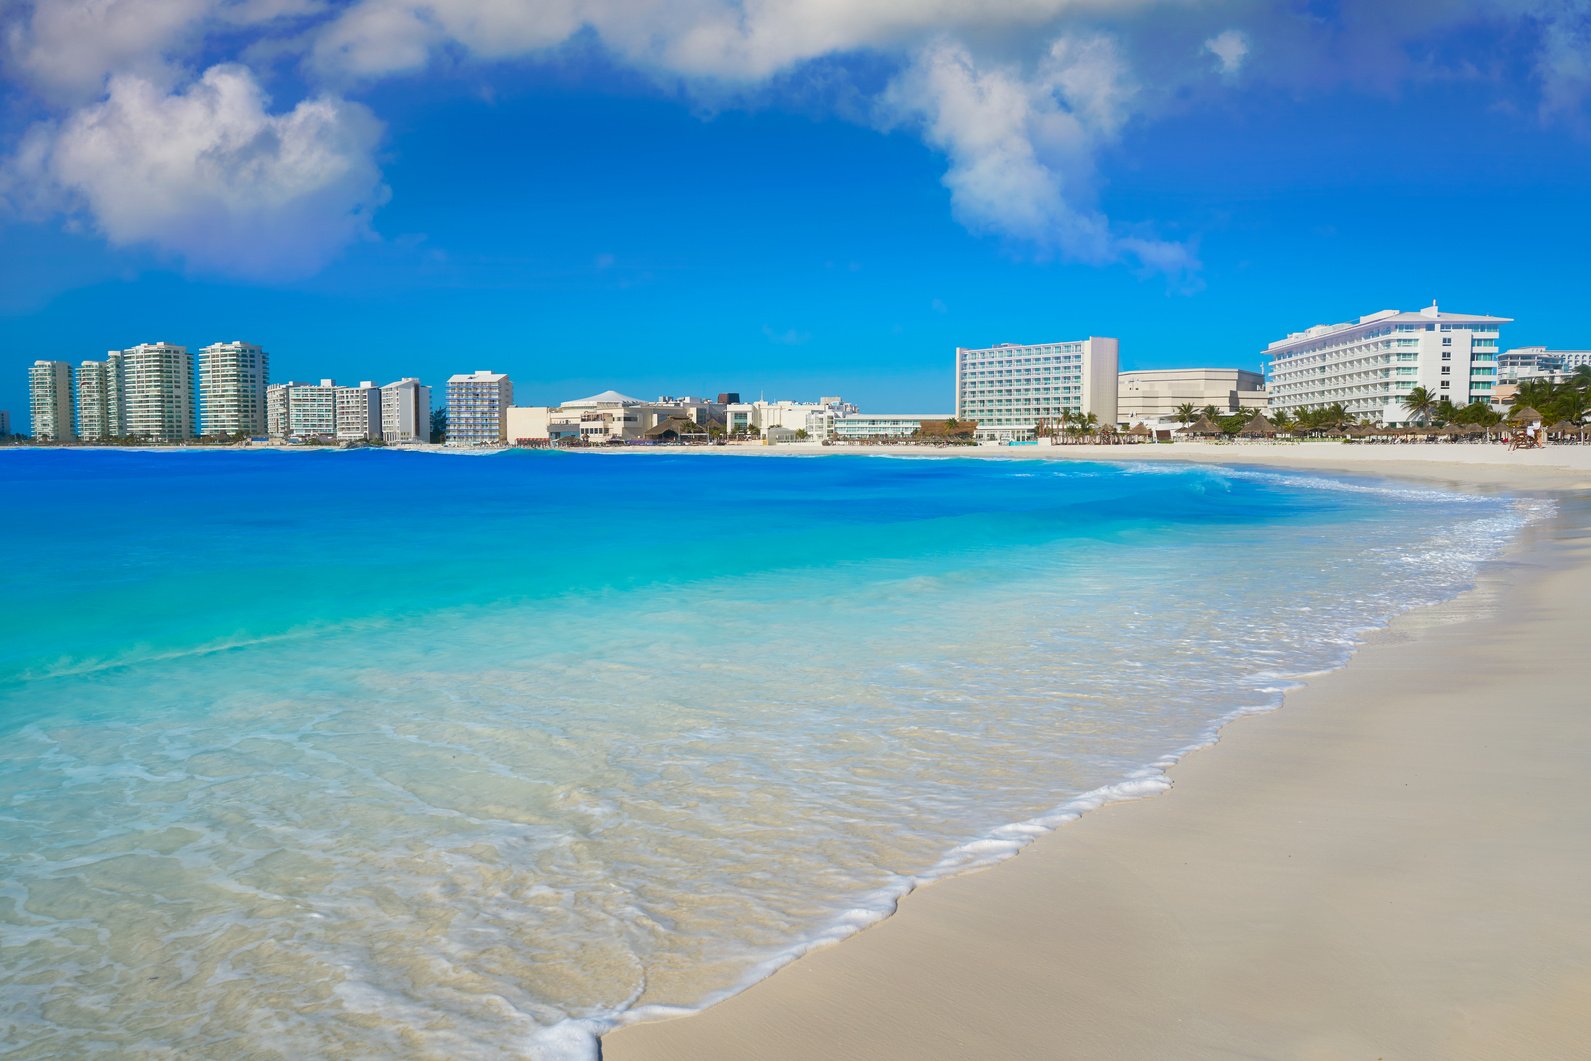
(1012,390)
(5,424)
(406,411)
(50,400)
(359,412)
(477,408)
(157,392)
(232,380)
(93,402)
(1369,366)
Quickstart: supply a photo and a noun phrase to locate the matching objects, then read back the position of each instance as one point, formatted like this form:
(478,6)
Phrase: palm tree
(1446,411)
(1212,412)
(1067,418)
(1283,420)
(1421,402)
(1186,414)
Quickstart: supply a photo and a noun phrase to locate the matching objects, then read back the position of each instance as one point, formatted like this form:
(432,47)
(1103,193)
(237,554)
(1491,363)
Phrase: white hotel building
(50,399)
(1370,365)
(157,392)
(477,408)
(232,378)
(1009,389)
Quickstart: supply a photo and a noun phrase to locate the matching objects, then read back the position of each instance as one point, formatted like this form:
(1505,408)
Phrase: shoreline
(1064,948)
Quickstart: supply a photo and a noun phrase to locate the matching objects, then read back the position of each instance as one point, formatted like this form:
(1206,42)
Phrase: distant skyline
(792,199)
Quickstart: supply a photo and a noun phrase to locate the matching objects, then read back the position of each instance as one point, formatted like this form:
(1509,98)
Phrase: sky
(789,198)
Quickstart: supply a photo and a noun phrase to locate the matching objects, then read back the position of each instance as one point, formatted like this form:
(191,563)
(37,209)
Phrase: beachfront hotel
(1370,365)
(477,408)
(157,392)
(405,411)
(1149,395)
(358,412)
(882,427)
(50,400)
(301,410)
(232,378)
(1011,390)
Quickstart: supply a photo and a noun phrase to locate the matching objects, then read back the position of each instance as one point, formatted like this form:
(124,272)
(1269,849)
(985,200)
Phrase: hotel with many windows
(50,400)
(1369,366)
(477,408)
(232,389)
(1012,391)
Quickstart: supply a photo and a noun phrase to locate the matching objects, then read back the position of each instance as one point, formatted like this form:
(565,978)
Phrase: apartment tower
(50,400)
(157,392)
(232,380)
(359,412)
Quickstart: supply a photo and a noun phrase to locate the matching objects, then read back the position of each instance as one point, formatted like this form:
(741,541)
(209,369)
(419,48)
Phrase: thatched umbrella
(1258,427)
(1563,427)
(1204,426)
(1140,430)
(1525,414)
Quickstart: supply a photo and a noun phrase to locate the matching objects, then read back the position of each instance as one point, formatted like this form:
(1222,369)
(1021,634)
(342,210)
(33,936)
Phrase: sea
(357,754)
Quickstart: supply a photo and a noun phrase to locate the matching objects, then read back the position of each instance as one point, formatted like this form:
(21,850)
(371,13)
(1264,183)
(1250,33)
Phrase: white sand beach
(1394,864)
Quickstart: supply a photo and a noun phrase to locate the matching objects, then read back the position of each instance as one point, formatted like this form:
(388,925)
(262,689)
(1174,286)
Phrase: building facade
(232,380)
(359,412)
(1369,366)
(1538,362)
(477,408)
(1011,390)
(93,402)
(5,424)
(405,411)
(157,392)
(880,427)
(1150,395)
(816,419)
(50,401)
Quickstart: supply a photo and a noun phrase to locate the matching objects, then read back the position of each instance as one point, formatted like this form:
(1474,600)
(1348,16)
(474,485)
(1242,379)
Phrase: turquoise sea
(363,754)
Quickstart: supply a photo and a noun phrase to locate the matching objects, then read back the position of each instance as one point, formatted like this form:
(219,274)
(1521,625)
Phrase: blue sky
(791,198)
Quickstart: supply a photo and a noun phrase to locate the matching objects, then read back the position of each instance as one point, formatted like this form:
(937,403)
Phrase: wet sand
(1395,864)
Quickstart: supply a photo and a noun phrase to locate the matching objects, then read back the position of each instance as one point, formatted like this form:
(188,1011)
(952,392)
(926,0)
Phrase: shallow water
(354,754)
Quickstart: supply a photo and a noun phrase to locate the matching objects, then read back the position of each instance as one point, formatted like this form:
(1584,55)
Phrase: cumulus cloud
(66,49)
(1230,48)
(1021,96)
(209,174)
(1021,144)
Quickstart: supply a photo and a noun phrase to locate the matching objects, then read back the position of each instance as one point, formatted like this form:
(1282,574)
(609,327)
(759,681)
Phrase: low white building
(816,419)
(603,418)
(1538,362)
(881,427)
(1369,366)
(1151,395)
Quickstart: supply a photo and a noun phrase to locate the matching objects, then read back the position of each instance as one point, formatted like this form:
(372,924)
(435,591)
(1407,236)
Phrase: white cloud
(1021,146)
(66,49)
(209,175)
(1230,49)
